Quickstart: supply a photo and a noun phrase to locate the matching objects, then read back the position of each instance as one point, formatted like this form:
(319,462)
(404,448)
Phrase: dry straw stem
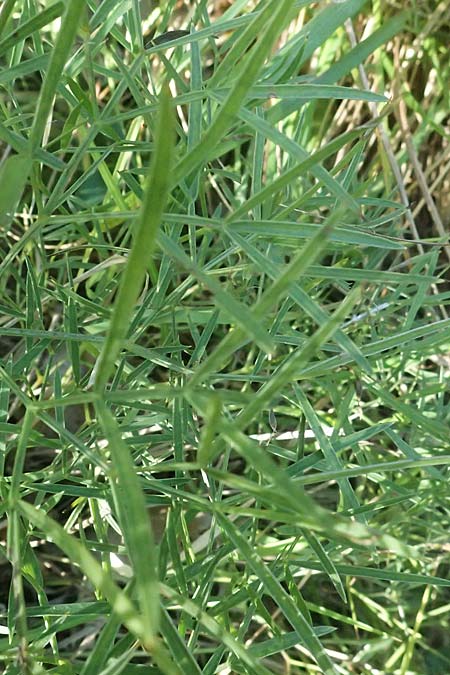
(402,117)
(386,142)
(392,160)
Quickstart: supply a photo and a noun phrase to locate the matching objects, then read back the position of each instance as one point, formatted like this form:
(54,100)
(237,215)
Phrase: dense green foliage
(224,337)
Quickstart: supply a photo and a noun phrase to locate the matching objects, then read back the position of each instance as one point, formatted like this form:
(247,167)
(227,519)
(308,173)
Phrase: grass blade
(275,16)
(135,524)
(58,58)
(155,197)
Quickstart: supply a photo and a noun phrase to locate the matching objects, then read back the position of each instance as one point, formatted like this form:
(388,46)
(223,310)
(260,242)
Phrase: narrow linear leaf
(291,230)
(289,176)
(276,14)
(284,601)
(374,573)
(149,219)
(134,520)
(242,315)
(287,370)
(309,92)
(13,178)
(304,258)
(58,58)
(31,26)
(80,555)
(215,629)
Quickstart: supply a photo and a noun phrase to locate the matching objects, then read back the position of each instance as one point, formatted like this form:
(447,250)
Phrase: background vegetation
(225,337)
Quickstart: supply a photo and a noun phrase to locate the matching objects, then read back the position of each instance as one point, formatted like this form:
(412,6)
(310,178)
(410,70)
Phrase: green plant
(213,316)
